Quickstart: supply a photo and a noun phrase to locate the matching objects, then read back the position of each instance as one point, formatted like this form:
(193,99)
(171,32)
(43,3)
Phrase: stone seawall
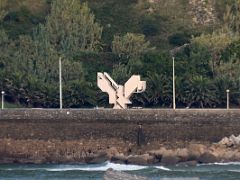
(94,135)
(161,125)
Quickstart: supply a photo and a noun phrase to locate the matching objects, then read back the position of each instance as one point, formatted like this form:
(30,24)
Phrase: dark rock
(159,153)
(96,158)
(117,175)
(207,158)
(169,160)
(119,158)
(156,153)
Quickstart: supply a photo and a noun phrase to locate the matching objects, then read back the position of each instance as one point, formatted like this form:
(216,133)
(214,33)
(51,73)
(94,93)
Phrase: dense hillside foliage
(123,38)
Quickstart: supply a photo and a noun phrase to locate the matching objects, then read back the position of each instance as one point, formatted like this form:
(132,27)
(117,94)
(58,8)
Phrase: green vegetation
(9,105)
(123,38)
(132,45)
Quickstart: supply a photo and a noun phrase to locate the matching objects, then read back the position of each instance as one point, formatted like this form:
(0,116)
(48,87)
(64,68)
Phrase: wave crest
(87,167)
(102,167)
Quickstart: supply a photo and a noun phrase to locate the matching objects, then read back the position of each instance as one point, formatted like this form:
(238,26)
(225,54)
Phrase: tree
(222,83)
(121,73)
(215,42)
(31,71)
(31,63)
(200,92)
(3,57)
(71,28)
(159,89)
(131,45)
(198,61)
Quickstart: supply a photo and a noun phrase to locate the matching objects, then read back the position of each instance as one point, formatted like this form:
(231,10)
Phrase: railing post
(3,99)
(227,98)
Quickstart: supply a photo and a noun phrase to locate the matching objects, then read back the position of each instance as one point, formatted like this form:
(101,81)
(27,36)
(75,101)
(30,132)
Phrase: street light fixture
(174,94)
(173,53)
(227,98)
(3,99)
(60,82)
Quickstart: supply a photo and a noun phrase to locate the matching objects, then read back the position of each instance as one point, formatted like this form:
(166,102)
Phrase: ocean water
(216,171)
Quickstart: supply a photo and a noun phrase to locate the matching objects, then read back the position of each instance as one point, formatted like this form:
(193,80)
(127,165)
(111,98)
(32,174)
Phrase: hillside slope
(123,38)
(165,23)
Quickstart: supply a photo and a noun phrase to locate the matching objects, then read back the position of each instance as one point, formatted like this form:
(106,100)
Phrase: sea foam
(220,163)
(101,167)
(162,168)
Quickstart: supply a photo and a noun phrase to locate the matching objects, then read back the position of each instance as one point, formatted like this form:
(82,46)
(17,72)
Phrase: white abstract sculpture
(119,95)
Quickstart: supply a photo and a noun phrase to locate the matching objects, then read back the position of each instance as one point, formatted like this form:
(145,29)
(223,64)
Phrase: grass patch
(11,105)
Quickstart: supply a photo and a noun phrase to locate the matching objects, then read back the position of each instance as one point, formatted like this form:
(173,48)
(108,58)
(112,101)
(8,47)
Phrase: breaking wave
(87,167)
(101,167)
(162,168)
(221,163)
(238,171)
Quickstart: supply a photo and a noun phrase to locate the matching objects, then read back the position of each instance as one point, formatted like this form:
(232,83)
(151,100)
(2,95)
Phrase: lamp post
(3,99)
(60,82)
(174,98)
(227,98)
(173,53)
